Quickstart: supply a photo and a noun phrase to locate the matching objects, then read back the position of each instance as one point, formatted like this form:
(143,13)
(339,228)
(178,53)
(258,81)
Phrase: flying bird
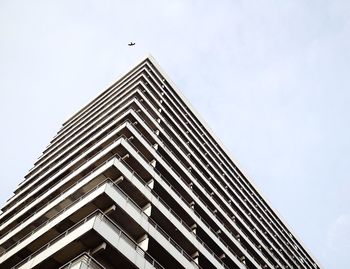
(131,44)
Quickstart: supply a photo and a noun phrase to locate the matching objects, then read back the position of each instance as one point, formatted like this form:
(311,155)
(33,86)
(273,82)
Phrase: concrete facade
(136,179)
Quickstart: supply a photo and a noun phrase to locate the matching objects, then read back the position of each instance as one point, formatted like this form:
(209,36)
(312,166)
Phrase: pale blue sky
(271,78)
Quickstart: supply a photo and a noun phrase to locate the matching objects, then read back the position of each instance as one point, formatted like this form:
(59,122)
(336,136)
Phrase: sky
(271,79)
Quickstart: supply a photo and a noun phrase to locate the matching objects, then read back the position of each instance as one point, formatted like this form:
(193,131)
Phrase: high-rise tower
(135,179)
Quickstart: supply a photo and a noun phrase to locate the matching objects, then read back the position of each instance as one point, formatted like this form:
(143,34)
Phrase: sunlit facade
(135,179)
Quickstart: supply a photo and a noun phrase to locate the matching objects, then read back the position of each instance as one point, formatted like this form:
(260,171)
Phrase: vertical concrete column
(153,163)
(110,210)
(238,237)
(147,209)
(192,205)
(242,259)
(118,180)
(222,256)
(194,228)
(125,156)
(150,183)
(98,248)
(143,241)
(195,257)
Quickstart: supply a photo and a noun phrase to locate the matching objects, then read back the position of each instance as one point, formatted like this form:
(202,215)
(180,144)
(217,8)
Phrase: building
(135,179)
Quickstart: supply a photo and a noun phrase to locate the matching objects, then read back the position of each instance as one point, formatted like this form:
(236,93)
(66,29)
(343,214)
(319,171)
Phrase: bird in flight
(131,44)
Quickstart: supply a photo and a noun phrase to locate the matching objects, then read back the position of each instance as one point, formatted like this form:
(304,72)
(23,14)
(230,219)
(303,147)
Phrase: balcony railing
(173,169)
(152,222)
(99,214)
(258,199)
(167,149)
(13,203)
(55,216)
(58,182)
(86,258)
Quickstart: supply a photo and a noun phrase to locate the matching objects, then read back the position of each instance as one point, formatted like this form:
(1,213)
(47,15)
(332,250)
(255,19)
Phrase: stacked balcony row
(235,225)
